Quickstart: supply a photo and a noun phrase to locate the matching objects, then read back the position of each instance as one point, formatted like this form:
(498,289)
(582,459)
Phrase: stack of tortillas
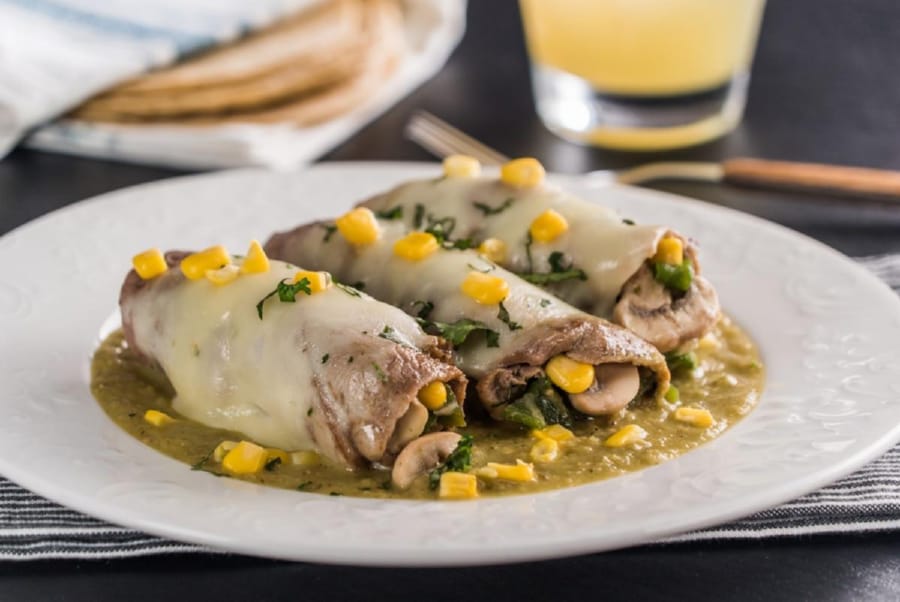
(304,70)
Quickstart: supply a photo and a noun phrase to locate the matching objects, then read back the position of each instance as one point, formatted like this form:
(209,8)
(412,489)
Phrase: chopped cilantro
(560,270)
(503,316)
(390,334)
(330,229)
(350,290)
(325,358)
(545,302)
(628,222)
(391,214)
(488,210)
(457,332)
(309,412)
(380,373)
(419,216)
(427,306)
(459,460)
(286,293)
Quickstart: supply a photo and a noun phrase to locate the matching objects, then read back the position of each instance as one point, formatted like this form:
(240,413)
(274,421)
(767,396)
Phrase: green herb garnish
(350,290)
(457,332)
(380,373)
(503,316)
(560,270)
(545,302)
(427,306)
(628,222)
(271,464)
(539,406)
(459,460)
(488,210)
(330,229)
(391,335)
(325,358)
(390,214)
(286,293)
(419,216)
(674,277)
(304,485)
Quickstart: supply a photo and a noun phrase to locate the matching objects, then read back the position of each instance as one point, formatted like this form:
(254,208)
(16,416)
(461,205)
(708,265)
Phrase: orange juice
(645,48)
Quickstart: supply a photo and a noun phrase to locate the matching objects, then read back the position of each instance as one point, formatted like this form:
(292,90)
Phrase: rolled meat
(289,369)
(517,342)
(584,253)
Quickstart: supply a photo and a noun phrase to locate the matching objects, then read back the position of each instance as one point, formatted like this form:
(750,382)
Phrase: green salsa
(726,381)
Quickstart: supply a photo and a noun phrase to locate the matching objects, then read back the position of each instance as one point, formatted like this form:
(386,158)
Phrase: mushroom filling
(541,403)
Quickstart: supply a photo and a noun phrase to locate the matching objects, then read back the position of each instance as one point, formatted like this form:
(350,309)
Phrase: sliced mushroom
(410,426)
(648,309)
(614,388)
(421,455)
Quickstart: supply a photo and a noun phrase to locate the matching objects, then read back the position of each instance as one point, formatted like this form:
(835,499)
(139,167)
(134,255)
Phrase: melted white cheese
(234,371)
(437,279)
(598,241)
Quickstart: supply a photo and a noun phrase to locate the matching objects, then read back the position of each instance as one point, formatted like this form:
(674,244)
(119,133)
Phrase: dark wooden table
(826,87)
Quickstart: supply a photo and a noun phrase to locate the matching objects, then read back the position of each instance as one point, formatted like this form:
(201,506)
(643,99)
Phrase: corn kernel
(556,432)
(223,275)
(256,261)
(245,458)
(458,486)
(157,418)
(222,449)
(461,166)
(548,226)
(627,435)
(318,281)
(359,226)
(149,264)
(484,288)
(695,416)
(305,458)
(416,246)
(669,250)
(569,375)
(195,266)
(281,455)
(545,450)
(526,172)
(433,396)
(494,249)
(520,471)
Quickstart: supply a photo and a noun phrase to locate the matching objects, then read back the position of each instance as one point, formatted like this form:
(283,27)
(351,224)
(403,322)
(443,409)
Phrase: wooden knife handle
(857,181)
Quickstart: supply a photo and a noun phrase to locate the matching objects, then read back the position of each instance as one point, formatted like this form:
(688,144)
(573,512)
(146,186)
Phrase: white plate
(828,331)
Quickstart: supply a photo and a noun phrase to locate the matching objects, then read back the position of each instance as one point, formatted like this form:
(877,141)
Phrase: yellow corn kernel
(433,396)
(273,453)
(195,266)
(569,375)
(305,458)
(359,226)
(494,249)
(223,275)
(416,246)
(149,264)
(548,226)
(484,288)
(318,281)
(627,435)
(669,250)
(461,166)
(222,449)
(526,172)
(157,418)
(556,432)
(245,458)
(520,471)
(545,450)
(695,416)
(458,486)
(256,261)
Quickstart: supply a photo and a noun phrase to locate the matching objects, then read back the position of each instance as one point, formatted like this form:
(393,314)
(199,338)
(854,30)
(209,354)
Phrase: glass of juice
(641,74)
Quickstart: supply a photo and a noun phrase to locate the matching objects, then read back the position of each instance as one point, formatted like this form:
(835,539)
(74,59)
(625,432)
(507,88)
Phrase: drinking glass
(641,74)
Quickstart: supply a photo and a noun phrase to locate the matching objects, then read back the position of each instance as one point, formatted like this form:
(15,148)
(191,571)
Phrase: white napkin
(433,29)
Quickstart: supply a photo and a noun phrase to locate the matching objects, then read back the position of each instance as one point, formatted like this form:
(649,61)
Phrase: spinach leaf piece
(457,332)
(459,460)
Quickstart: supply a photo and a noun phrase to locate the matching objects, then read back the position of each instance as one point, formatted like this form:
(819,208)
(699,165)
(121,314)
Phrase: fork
(442,139)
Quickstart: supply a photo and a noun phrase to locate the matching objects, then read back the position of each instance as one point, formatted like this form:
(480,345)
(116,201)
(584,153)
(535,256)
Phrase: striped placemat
(33,528)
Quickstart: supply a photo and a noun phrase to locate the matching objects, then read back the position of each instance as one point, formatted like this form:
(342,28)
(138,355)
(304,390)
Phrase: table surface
(825,88)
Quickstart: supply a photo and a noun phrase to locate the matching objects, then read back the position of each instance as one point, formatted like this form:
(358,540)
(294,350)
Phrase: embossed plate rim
(852,418)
